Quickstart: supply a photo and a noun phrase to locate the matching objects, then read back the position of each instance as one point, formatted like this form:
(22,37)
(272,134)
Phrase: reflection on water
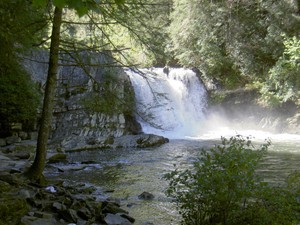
(126,173)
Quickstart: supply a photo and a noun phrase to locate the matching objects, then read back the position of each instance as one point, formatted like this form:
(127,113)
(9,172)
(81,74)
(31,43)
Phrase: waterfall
(170,104)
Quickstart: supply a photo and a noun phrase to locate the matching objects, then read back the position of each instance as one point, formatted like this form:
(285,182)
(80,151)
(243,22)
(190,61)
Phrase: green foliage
(20,24)
(140,30)
(12,209)
(19,99)
(283,83)
(224,188)
(216,97)
(81,6)
(234,42)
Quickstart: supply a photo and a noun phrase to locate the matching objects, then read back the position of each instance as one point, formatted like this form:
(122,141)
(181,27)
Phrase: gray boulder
(12,140)
(112,219)
(146,196)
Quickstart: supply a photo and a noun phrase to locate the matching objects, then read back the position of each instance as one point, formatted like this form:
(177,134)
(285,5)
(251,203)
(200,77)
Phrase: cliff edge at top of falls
(241,107)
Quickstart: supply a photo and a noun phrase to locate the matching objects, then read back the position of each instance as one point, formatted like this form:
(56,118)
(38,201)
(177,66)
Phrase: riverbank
(55,202)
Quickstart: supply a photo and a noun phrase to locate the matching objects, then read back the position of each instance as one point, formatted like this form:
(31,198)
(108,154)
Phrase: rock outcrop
(94,104)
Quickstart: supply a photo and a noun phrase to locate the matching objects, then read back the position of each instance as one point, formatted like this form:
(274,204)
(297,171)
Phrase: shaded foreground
(56,202)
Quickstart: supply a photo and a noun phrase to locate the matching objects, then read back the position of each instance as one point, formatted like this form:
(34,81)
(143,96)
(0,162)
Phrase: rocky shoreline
(57,201)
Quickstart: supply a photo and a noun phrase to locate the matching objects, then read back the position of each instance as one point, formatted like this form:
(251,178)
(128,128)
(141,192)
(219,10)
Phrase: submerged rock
(146,196)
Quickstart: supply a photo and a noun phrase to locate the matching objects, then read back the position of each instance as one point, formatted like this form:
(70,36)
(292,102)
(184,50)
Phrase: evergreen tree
(234,41)
(20,24)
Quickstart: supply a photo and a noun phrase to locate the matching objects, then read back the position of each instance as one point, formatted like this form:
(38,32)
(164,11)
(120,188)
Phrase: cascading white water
(172,105)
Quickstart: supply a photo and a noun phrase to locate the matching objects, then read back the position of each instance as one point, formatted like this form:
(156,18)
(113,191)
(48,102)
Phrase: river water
(172,105)
(126,173)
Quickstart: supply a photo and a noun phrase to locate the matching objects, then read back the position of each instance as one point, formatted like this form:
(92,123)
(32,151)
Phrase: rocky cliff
(94,100)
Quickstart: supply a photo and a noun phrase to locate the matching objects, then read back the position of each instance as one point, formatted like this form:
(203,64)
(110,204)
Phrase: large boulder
(12,140)
(140,141)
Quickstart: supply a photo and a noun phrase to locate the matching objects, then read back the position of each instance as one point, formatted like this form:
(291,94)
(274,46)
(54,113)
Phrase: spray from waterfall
(170,104)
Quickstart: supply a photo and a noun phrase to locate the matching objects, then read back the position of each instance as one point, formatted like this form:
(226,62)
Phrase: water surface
(126,173)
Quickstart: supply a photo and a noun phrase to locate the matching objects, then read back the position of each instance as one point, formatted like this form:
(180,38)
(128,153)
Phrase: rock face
(241,107)
(93,103)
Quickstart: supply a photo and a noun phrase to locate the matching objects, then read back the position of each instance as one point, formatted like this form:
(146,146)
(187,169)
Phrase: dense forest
(235,43)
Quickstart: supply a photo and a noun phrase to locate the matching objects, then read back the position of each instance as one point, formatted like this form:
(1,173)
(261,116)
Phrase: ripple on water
(126,173)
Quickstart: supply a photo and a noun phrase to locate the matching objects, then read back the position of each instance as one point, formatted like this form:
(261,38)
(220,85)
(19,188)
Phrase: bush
(224,188)
(19,99)
(12,210)
(283,83)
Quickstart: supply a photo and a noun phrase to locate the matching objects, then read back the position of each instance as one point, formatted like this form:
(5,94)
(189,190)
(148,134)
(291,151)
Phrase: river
(126,173)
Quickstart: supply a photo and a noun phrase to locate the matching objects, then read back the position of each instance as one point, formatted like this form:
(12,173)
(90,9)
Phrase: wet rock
(112,219)
(109,140)
(22,155)
(32,220)
(69,215)
(2,142)
(44,215)
(88,190)
(92,141)
(32,136)
(4,158)
(89,162)
(112,207)
(59,157)
(139,141)
(126,216)
(84,213)
(23,135)
(10,178)
(12,140)
(132,125)
(146,196)
(26,194)
(151,140)
(59,206)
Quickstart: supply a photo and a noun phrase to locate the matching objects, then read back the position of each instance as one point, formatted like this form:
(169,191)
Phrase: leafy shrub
(12,209)
(283,83)
(19,99)
(224,188)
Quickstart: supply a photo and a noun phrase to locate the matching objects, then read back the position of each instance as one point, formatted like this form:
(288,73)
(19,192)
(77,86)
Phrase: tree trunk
(35,172)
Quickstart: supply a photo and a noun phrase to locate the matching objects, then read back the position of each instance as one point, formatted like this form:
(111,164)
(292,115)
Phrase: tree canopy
(21,25)
(240,42)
